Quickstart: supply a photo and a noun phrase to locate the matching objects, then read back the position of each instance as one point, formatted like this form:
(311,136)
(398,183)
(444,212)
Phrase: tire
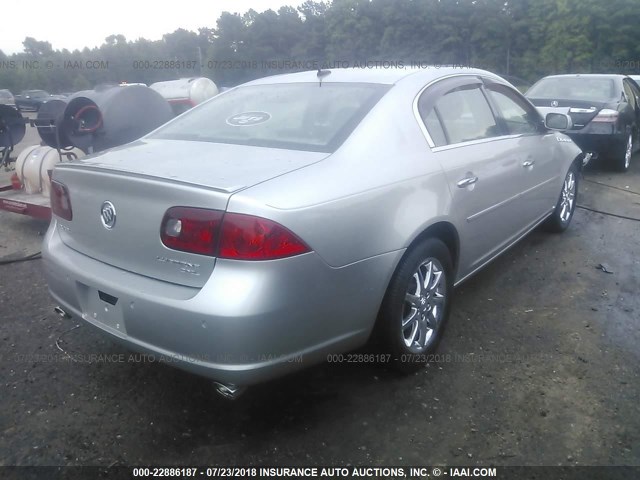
(412,318)
(561,217)
(622,158)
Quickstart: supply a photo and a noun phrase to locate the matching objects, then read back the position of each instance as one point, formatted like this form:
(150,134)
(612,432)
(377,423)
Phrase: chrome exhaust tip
(229,390)
(61,313)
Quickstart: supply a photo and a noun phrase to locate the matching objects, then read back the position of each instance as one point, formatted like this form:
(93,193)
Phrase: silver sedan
(296,216)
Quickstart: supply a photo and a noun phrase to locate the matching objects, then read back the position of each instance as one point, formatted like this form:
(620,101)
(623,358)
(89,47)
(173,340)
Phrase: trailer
(27,190)
(13,199)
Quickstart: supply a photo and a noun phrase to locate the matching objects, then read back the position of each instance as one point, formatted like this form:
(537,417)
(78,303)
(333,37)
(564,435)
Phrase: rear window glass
(298,116)
(574,88)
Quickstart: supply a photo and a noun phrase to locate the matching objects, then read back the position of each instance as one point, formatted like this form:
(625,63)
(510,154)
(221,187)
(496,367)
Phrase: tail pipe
(61,313)
(588,156)
(229,390)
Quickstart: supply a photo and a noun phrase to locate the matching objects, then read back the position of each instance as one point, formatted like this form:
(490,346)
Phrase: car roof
(387,76)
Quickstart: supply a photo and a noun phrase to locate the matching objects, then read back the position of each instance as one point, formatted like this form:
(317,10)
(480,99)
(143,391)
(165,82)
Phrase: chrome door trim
(475,216)
(507,247)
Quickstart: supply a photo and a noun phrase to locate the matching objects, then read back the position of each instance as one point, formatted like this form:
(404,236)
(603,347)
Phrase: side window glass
(466,116)
(517,115)
(434,127)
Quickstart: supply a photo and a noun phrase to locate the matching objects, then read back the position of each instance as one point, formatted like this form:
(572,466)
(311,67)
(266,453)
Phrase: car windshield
(574,88)
(36,93)
(5,94)
(298,116)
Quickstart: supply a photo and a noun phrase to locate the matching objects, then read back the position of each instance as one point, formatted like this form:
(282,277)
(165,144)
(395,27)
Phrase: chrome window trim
(423,127)
(475,142)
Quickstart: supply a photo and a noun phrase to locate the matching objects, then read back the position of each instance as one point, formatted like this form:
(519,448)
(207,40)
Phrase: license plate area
(102,307)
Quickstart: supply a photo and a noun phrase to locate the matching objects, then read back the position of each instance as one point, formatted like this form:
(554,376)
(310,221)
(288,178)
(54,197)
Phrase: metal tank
(95,120)
(186,93)
(49,124)
(34,164)
(12,127)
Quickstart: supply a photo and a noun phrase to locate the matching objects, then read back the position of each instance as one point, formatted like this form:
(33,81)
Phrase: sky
(74,24)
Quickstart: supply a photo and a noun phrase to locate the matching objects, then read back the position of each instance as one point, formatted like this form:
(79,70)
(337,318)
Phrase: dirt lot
(539,366)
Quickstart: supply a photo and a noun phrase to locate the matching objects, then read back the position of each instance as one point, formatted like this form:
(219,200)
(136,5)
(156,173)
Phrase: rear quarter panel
(374,195)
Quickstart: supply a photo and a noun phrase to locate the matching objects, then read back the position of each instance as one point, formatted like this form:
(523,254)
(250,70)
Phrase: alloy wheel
(628,151)
(568,196)
(424,305)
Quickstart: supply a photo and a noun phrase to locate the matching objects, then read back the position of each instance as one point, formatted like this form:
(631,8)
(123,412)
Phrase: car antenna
(323,73)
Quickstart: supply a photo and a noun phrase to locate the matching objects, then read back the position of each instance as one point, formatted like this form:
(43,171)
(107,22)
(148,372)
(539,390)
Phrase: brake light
(192,230)
(60,201)
(231,235)
(245,237)
(606,115)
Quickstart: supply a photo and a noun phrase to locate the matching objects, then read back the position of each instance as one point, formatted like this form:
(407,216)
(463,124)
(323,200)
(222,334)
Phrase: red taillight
(60,201)
(606,115)
(245,237)
(231,235)
(192,230)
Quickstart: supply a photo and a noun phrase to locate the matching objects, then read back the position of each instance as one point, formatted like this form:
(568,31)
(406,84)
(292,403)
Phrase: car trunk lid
(581,112)
(143,182)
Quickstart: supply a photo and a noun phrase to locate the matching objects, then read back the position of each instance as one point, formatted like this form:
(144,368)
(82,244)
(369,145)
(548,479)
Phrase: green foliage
(521,38)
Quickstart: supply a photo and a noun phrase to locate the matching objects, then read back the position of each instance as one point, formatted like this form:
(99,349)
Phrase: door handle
(528,163)
(465,182)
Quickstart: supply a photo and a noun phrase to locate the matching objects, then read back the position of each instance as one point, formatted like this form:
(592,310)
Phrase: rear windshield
(298,116)
(575,88)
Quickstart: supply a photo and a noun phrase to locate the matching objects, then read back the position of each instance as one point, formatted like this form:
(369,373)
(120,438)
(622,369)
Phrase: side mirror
(558,121)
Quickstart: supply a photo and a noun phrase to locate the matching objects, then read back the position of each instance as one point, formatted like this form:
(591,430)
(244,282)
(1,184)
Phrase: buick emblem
(108,215)
(554,103)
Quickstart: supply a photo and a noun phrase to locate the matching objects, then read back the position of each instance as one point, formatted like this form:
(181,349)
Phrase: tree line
(523,39)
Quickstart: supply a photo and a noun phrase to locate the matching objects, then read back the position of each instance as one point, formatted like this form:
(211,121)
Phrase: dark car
(6,98)
(604,109)
(32,99)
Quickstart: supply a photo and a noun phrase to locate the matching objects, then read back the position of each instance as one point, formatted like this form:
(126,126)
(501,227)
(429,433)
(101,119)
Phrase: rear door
(480,164)
(535,148)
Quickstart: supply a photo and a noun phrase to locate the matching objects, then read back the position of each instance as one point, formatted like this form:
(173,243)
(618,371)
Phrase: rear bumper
(252,321)
(604,140)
